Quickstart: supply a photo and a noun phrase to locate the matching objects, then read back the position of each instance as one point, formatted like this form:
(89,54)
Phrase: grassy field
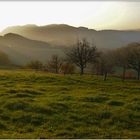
(41,105)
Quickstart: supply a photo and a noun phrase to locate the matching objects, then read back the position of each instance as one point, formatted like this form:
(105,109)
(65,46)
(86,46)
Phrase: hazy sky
(91,14)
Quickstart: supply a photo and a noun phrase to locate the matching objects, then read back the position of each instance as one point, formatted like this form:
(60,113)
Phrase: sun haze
(91,14)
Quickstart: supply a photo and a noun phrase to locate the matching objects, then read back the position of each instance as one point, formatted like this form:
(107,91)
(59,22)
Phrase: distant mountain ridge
(66,35)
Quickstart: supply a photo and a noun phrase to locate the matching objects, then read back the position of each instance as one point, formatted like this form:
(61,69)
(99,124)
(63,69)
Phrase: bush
(67,68)
(36,65)
(4,59)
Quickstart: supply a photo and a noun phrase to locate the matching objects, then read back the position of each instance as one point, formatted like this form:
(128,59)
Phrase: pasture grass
(43,105)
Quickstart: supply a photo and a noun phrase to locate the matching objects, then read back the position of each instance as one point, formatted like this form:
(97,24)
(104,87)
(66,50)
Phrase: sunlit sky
(92,14)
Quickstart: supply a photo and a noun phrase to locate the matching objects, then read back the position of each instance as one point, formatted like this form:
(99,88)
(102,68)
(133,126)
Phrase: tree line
(83,54)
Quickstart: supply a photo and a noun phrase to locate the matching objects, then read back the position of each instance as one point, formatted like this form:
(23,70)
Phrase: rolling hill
(21,50)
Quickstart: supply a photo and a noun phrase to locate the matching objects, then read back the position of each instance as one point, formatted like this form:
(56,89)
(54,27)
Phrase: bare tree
(82,53)
(105,63)
(121,59)
(55,63)
(134,57)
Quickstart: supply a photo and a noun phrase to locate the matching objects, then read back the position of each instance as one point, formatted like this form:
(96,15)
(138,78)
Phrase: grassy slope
(40,105)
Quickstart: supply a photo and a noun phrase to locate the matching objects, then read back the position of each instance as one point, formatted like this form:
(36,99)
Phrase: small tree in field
(121,59)
(55,63)
(134,57)
(105,63)
(81,54)
(36,65)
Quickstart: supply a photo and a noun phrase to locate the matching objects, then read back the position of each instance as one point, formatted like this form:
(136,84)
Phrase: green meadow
(42,105)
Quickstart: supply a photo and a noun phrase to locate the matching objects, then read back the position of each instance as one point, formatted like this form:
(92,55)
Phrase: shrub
(67,68)
(36,65)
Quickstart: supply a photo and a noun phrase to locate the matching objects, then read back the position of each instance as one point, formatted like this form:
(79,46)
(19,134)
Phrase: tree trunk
(56,70)
(123,76)
(82,71)
(138,74)
(105,76)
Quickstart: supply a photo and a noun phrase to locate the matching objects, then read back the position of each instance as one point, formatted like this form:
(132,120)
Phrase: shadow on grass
(26,119)
(29,91)
(97,99)
(116,103)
